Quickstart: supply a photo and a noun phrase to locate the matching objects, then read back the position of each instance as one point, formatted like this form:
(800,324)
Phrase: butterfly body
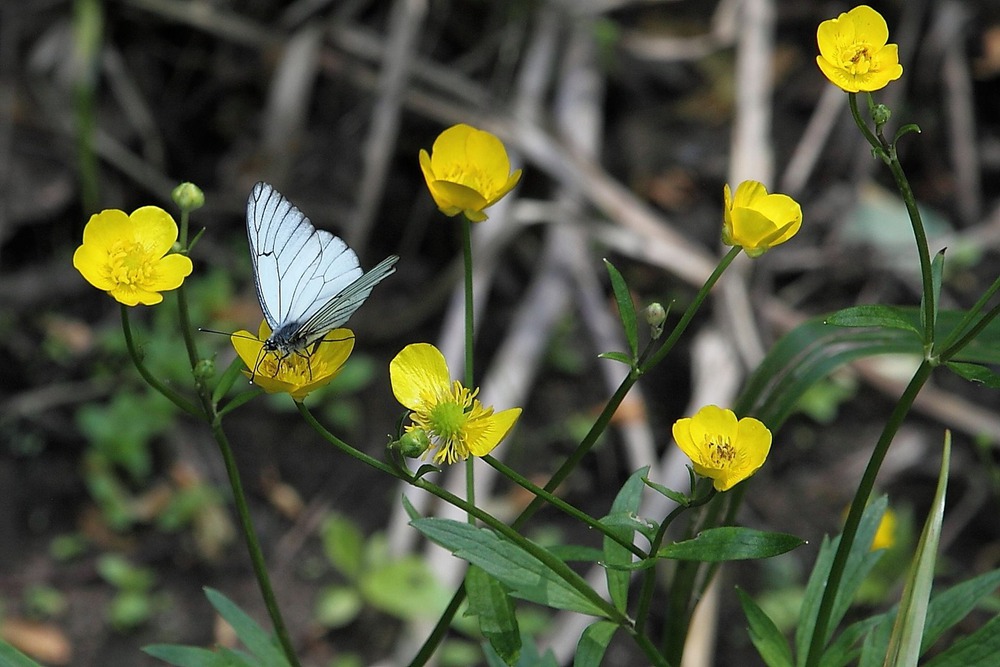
(308,281)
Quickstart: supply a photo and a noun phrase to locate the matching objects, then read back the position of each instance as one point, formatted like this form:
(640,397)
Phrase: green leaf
(343,545)
(626,309)
(906,129)
(405,588)
(875,315)
(715,545)
(232,372)
(676,496)
(526,576)
(529,656)
(937,271)
(764,634)
(337,606)
(951,606)
(190,656)
(11,657)
(860,561)
(411,511)
(593,643)
(980,649)
(618,356)
(574,552)
(258,642)
(907,633)
(622,522)
(975,373)
(489,601)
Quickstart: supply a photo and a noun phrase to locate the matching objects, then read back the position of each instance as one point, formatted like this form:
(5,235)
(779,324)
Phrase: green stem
(562,505)
(175,397)
(649,578)
(560,568)
(969,336)
(887,151)
(861,498)
(253,545)
(470,471)
(596,430)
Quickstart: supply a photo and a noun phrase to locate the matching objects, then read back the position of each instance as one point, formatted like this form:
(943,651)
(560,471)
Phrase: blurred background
(627,118)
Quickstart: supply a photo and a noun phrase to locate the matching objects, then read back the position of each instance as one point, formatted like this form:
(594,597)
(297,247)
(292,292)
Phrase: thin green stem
(253,545)
(560,568)
(649,577)
(470,339)
(562,505)
(971,334)
(175,397)
(861,498)
(887,151)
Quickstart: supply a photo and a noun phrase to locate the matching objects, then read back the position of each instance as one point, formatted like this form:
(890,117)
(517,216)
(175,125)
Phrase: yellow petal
(489,155)
(755,443)
(485,433)
(507,187)
(106,228)
(91,260)
(154,228)
(457,196)
(869,26)
(418,374)
(171,272)
(747,193)
(450,148)
(248,347)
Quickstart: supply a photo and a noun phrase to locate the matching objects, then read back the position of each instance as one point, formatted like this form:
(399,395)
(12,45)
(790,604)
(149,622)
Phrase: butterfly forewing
(308,280)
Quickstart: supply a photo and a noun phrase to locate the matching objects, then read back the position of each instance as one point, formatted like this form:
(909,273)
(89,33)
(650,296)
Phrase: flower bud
(188,197)
(204,369)
(413,443)
(656,315)
(881,114)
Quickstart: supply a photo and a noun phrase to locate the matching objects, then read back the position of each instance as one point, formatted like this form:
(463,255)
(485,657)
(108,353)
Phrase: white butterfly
(308,281)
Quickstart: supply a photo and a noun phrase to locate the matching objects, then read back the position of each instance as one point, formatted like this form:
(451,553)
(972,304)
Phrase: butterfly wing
(297,268)
(307,279)
(339,309)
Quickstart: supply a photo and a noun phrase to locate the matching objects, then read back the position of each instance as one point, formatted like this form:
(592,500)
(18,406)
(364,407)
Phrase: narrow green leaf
(874,315)
(11,657)
(907,633)
(184,656)
(232,372)
(489,601)
(676,496)
(343,544)
(715,545)
(765,635)
(617,356)
(574,552)
(906,129)
(411,511)
(626,309)
(526,576)
(593,643)
(529,656)
(980,649)
(951,606)
(628,523)
(257,641)
(622,521)
(975,373)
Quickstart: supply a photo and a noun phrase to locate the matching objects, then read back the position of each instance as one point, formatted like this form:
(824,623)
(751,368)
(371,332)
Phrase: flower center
(860,59)
(447,419)
(722,452)
(130,264)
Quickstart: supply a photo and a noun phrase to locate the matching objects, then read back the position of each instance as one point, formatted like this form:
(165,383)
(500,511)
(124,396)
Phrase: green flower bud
(656,315)
(881,114)
(204,369)
(413,443)
(188,197)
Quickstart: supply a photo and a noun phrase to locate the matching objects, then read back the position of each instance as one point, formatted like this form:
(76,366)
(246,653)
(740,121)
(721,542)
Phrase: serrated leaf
(626,309)
(907,632)
(257,641)
(526,576)
(489,601)
(874,315)
(975,373)
(716,545)
(765,635)
(593,643)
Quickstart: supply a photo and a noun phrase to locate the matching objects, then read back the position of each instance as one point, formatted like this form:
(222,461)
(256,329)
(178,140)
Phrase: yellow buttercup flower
(467,171)
(853,53)
(885,535)
(448,413)
(296,374)
(758,221)
(722,448)
(126,255)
